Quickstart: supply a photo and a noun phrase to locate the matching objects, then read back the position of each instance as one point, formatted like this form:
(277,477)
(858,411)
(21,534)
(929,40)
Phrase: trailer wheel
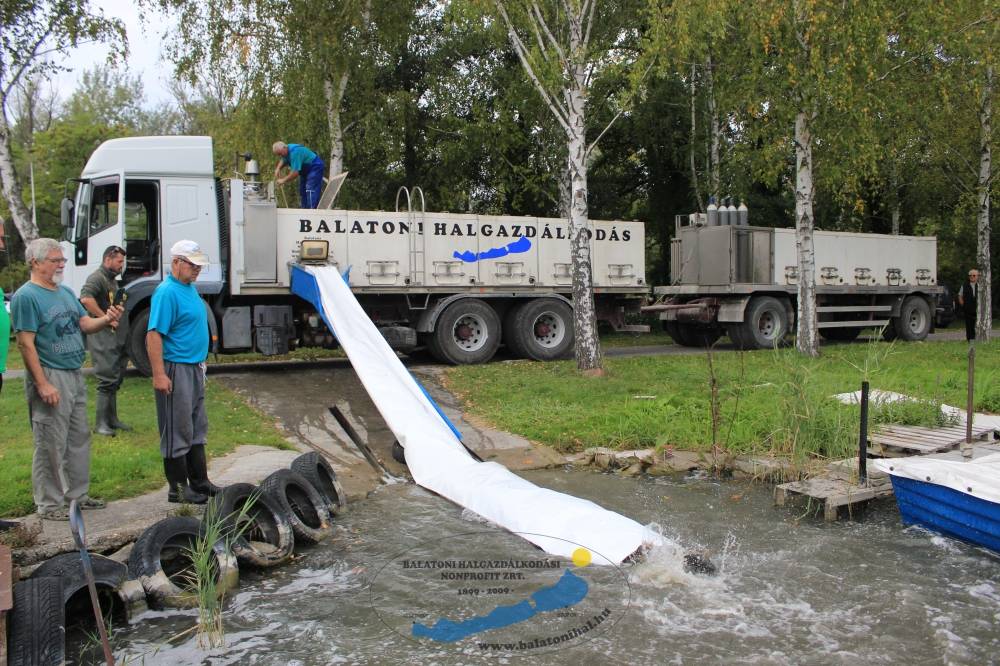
(840,334)
(690,335)
(468,331)
(543,329)
(510,337)
(765,323)
(137,343)
(914,321)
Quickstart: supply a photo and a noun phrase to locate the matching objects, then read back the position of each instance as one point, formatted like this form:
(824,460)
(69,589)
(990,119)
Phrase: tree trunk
(715,180)
(587,346)
(334,95)
(984,306)
(806,338)
(11,187)
(694,141)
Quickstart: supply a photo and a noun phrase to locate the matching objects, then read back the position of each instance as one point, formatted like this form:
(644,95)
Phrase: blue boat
(960,499)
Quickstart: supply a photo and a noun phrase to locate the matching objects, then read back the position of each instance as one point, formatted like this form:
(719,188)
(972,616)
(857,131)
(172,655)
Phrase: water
(791,589)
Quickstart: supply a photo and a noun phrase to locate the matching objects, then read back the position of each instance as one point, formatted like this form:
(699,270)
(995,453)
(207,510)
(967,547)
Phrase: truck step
(853,308)
(864,323)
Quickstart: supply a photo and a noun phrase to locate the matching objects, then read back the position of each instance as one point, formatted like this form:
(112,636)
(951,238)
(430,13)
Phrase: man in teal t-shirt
(303,164)
(49,320)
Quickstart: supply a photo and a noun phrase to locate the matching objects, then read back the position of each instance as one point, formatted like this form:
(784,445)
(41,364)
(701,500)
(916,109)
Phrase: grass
(129,464)
(767,401)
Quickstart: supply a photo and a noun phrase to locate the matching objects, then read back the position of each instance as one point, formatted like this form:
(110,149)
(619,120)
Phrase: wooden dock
(838,486)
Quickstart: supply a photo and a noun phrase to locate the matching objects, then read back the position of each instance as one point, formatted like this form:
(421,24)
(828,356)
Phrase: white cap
(190,251)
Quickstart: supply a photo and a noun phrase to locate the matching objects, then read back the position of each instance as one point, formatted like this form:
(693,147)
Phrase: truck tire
(765,323)
(37,624)
(267,539)
(543,329)
(914,321)
(467,332)
(137,343)
(317,470)
(840,334)
(509,328)
(690,335)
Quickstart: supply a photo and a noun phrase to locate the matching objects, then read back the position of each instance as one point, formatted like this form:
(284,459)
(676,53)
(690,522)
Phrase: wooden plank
(6,579)
(910,439)
(937,436)
(910,444)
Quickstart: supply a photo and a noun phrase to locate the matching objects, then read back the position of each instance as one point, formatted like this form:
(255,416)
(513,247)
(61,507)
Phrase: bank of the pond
(128,464)
(774,403)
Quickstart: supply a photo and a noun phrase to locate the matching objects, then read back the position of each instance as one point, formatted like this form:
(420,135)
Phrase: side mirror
(66,212)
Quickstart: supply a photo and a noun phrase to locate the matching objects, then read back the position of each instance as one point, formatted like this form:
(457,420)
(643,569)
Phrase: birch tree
(34,34)
(562,46)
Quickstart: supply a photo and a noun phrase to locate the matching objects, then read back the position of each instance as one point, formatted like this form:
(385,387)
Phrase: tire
(160,562)
(914,321)
(692,335)
(510,338)
(137,343)
(317,470)
(735,333)
(109,579)
(543,329)
(889,331)
(301,503)
(765,323)
(467,332)
(398,453)
(37,623)
(840,334)
(267,539)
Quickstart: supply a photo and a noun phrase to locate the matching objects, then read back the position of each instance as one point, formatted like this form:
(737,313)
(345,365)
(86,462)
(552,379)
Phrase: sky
(144,60)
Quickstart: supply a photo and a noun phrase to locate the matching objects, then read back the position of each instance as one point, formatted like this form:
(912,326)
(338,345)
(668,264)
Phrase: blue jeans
(311,182)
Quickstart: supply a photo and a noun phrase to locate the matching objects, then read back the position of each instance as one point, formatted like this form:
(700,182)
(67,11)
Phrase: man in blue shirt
(177,342)
(49,320)
(303,164)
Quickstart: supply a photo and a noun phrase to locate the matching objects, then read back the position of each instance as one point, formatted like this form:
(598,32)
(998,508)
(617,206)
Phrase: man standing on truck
(967,298)
(49,319)
(177,342)
(107,347)
(303,164)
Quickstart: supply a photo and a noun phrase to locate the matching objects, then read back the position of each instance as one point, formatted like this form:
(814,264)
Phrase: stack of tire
(260,528)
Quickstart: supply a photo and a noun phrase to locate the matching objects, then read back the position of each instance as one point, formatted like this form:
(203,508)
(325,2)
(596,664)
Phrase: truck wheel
(765,323)
(914,321)
(137,343)
(691,335)
(543,328)
(468,331)
(840,334)
(735,333)
(510,337)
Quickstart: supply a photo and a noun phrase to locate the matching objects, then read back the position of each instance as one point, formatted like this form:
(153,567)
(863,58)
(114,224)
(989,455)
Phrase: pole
(863,437)
(76,527)
(970,403)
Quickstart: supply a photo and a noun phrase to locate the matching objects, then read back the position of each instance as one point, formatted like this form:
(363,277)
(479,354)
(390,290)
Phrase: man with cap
(303,164)
(107,346)
(177,342)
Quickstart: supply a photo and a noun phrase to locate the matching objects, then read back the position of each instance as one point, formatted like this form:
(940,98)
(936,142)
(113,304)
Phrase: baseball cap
(190,251)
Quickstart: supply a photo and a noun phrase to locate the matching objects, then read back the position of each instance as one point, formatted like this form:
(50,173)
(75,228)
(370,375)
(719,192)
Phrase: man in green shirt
(49,320)
(107,347)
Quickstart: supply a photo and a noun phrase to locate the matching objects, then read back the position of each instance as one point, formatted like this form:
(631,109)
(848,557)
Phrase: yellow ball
(581,557)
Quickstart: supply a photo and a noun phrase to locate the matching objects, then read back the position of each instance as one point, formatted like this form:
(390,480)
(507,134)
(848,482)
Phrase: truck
(457,284)
(741,280)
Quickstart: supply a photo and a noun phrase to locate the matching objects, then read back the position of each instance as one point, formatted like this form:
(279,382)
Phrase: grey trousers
(60,469)
(107,352)
(181,414)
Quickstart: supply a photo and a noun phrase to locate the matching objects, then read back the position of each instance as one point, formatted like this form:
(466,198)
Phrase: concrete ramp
(556,522)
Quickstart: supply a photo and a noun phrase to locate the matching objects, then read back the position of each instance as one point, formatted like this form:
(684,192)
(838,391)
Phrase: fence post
(970,403)
(863,438)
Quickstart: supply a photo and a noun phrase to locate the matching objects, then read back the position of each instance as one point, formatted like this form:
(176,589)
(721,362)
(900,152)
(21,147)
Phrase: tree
(563,47)
(32,33)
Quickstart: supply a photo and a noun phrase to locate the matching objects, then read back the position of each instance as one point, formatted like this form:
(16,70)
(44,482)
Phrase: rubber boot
(178,492)
(197,471)
(113,415)
(103,425)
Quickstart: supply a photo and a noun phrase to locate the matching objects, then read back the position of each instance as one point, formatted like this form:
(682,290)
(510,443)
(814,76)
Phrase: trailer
(459,284)
(742,281)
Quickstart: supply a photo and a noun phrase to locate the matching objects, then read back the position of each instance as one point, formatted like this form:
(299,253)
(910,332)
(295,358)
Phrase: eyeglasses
(59,261)
(189,263)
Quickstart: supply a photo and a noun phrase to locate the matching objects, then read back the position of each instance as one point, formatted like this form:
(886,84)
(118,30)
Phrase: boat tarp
(556,522)
(978,477)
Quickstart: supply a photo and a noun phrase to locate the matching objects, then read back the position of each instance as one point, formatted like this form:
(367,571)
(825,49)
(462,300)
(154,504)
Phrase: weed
(21,535)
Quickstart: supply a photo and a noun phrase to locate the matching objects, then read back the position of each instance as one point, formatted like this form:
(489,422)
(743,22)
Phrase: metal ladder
(417,259)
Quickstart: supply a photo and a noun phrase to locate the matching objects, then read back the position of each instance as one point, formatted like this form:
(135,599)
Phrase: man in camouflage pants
(107,346)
